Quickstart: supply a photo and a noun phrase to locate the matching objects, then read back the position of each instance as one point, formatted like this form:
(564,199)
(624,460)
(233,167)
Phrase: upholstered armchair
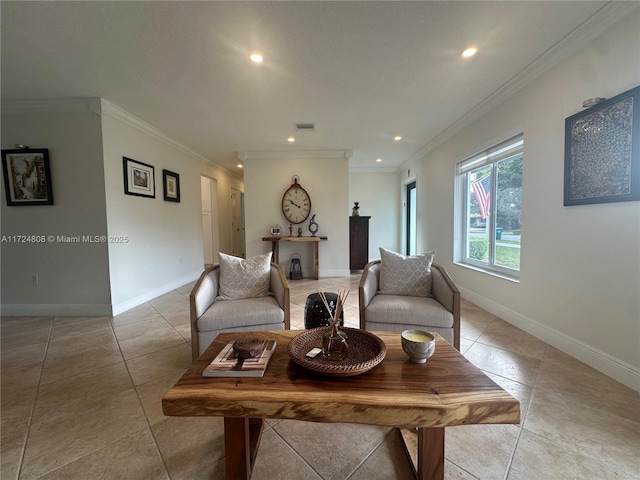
(438,312)
(213,313)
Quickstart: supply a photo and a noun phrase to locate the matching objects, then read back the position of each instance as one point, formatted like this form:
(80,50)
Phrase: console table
(275,247)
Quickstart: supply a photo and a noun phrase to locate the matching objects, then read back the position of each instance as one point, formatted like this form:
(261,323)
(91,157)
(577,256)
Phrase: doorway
(237,223)
(210,231)
(410,218)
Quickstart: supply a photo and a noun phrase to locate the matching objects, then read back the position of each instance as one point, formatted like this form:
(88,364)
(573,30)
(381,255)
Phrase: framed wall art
(139,178)
(171,182)
(27,176)
(602,152)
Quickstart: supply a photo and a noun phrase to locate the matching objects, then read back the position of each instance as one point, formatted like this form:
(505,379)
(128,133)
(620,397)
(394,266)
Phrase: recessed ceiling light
(240,165)
(397,138)
(256,57)
(379,160)
(469,52)
(291,139)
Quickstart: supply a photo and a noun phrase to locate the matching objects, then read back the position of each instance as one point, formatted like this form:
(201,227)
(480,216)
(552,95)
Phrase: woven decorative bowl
(248,347)
(365,352)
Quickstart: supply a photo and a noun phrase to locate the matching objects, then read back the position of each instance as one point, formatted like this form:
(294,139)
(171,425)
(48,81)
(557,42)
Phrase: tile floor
(81,400)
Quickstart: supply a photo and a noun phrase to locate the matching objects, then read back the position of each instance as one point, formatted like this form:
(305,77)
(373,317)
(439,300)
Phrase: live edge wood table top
(446,391)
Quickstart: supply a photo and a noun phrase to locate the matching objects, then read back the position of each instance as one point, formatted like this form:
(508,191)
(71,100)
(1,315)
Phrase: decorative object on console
(27,176)
(299,231)
(276,230)
(313,225)
(356,209)
(139,178)
(602,152)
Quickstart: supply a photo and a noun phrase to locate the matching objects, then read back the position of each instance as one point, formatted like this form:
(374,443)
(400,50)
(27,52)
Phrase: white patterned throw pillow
(240,278)
(402,275)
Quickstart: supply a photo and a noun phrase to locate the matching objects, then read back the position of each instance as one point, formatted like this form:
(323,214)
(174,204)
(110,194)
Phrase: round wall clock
(296,203)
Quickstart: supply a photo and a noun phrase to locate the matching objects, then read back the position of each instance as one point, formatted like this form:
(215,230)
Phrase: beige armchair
(210,316)
(439,313)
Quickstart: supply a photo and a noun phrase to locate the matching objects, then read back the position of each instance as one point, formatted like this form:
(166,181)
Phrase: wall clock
(296,203)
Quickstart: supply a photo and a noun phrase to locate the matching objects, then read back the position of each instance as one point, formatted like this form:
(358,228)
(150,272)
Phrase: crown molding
(295,154)
(100,106)
(374,170)
(40,105)
(591,28)
(112,110)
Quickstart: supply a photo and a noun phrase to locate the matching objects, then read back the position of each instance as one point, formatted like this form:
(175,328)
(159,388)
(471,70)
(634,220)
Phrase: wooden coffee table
(446,391)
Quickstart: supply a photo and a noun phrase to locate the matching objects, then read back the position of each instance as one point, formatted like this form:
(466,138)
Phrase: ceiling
(362,72)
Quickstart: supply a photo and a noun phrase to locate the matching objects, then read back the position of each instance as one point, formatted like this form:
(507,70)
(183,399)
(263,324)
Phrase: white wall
(326,181)
(87,139)
(579,284)
(379,197)
(165,240)
(73,277)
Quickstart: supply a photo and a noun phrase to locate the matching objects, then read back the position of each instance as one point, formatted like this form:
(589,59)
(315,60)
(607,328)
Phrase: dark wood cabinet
(358,242)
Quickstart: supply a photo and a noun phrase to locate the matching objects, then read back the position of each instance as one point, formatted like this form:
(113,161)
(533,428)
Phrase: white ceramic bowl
(419,345)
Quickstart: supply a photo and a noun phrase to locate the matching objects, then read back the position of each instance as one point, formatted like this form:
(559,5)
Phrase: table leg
(425,449)
(431,453)
(315,258)
(275,248)
(241,442)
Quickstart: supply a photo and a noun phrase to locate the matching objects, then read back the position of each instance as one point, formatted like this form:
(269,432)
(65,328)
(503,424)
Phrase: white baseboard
(331,273)
(130,303)
(82,310)
(617,369)
(51,310)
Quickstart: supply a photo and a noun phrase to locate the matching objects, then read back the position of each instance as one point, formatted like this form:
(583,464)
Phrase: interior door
(210,235)
(237,223)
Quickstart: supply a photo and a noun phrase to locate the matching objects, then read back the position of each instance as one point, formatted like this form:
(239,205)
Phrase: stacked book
(226,364)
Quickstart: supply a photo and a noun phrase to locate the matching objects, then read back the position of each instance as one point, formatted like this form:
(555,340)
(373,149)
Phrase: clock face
(296,204)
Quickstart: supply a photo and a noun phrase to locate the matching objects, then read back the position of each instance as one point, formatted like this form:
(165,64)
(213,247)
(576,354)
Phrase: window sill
(493,273)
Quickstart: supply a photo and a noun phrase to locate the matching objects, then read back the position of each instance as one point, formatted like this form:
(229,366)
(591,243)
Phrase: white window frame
(490,156)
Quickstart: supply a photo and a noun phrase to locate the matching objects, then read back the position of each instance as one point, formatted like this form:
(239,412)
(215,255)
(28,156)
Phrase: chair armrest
(368,287)
(448,295)
(202,296)
(279,287)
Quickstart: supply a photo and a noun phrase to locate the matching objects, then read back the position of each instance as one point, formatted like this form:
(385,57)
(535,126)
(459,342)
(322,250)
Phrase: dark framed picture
(27,176)
(602,152)
(171,182)
(139,178)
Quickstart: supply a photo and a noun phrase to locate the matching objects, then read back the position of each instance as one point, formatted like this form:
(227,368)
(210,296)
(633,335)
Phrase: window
(488,208)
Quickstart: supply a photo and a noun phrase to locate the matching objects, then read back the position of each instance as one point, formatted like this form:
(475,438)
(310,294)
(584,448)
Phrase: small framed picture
(27,176)
(139,178)
(171,181)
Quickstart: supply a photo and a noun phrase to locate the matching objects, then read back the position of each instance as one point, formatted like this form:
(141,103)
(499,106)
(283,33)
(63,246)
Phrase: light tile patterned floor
(81,400)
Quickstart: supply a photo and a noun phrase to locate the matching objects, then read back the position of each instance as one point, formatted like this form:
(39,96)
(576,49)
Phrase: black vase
(315,313)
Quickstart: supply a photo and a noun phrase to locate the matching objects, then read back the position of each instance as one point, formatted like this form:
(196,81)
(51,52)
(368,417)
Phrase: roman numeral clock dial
(296,203)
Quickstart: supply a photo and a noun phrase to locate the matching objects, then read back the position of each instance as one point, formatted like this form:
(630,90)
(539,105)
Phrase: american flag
(482,190)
